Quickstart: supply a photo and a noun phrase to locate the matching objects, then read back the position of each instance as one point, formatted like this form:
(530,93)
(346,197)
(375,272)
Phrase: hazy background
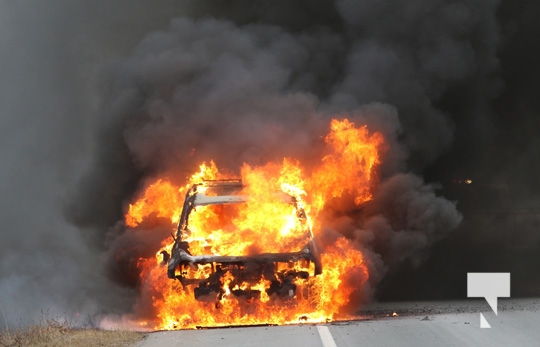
(461,80)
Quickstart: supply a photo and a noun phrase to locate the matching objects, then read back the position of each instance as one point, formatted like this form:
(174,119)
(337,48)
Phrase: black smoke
(99,98)
(237,90)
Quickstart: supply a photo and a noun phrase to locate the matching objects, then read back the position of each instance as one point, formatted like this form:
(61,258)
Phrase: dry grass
(52,333)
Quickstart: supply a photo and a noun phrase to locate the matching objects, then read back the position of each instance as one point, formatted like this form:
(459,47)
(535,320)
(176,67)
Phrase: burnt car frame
(277,268)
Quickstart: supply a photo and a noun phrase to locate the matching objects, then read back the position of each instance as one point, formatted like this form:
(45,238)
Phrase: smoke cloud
(122,101)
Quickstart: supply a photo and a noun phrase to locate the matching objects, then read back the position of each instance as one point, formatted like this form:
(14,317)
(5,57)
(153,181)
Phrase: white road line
(326,336)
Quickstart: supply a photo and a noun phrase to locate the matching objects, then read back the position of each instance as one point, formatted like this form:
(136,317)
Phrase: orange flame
(348,168)
(262,225)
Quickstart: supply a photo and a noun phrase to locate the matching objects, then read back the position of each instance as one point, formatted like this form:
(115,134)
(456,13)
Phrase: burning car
(239,264)
(251,239)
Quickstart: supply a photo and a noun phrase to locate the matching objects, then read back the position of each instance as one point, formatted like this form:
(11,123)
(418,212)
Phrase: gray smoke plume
(50,57)
(89,107)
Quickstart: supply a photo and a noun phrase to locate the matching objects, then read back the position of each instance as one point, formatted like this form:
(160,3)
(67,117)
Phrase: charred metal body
(278,268)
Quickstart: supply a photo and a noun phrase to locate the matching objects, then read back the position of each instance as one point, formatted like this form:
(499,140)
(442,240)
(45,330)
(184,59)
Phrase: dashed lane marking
(326,337)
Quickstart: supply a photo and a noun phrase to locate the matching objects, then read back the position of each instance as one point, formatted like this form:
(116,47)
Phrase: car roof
(226,192)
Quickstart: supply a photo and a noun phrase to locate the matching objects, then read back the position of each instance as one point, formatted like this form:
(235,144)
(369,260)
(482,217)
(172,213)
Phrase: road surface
(418,324)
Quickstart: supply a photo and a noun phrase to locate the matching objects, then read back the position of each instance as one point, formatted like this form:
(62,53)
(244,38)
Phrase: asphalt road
(418,324)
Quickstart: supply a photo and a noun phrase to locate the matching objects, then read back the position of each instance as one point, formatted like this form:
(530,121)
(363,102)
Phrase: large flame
(262,224)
